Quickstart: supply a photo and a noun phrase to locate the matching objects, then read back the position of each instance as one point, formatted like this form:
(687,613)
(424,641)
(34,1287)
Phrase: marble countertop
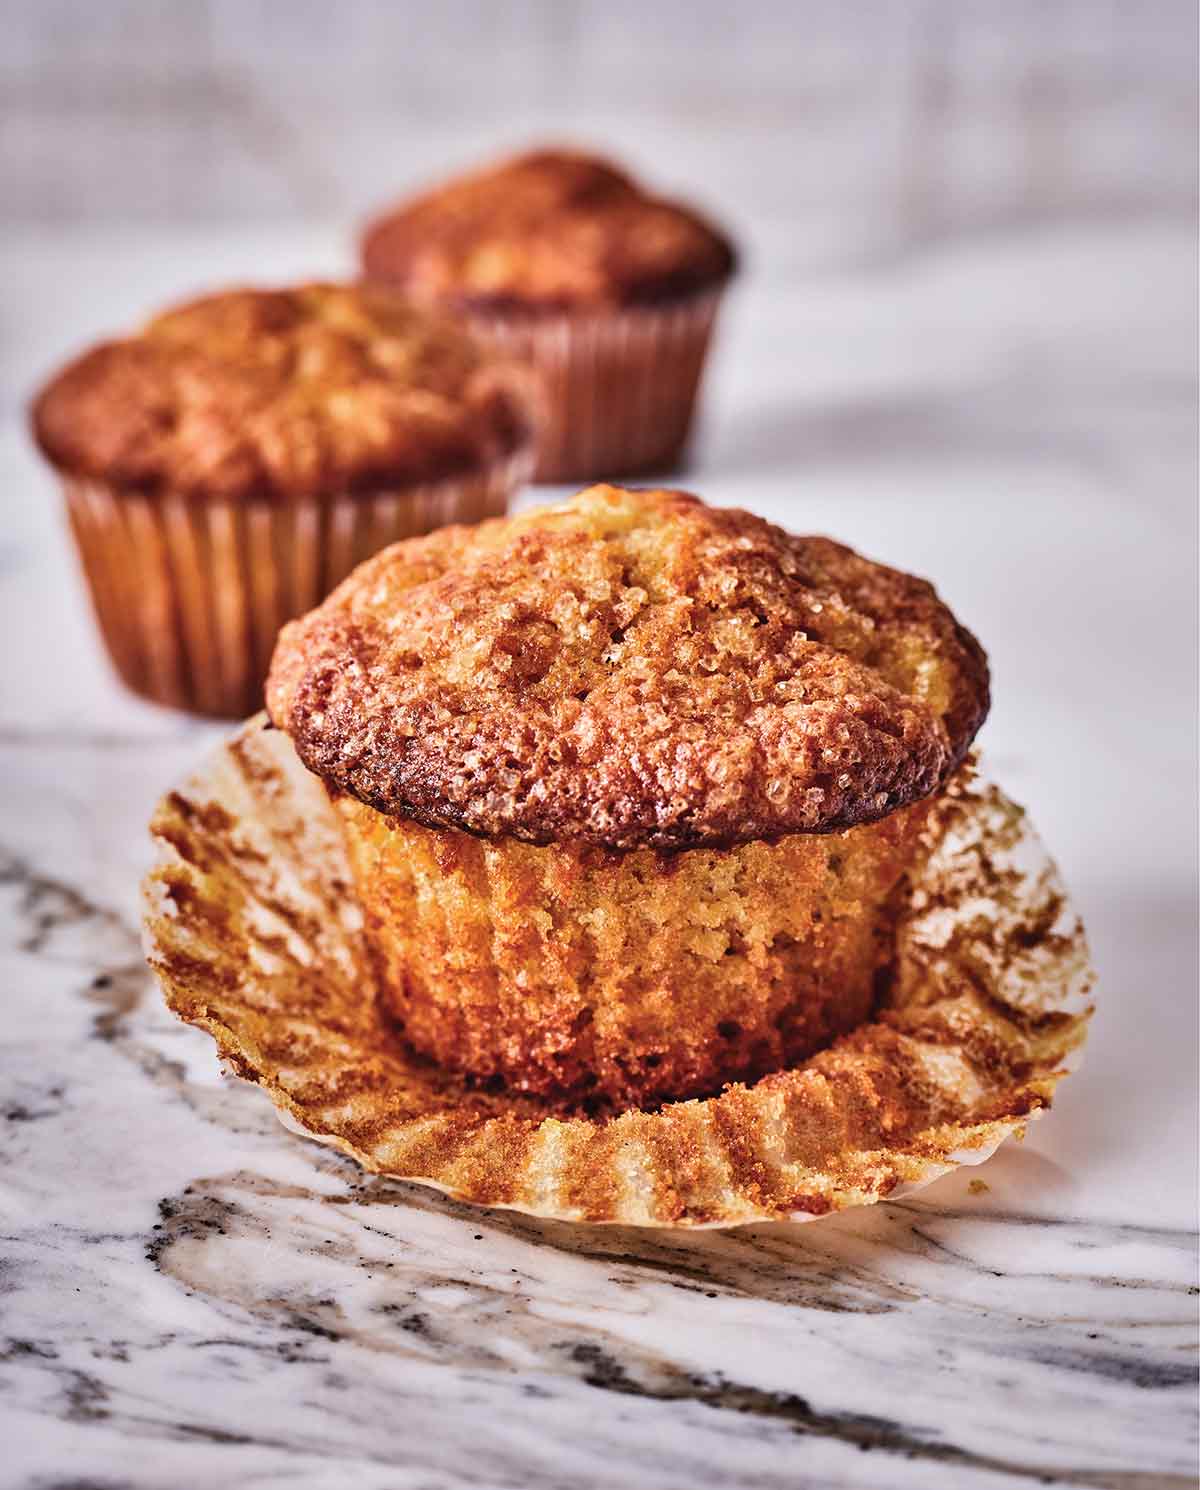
(189,1294)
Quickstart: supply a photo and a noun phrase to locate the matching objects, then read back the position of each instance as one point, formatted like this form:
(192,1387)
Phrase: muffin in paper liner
(562,260)
(231,461)
(253,930)
(619,386)
(190,592)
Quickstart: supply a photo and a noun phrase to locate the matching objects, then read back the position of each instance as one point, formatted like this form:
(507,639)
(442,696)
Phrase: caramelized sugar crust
(630,670)
(283,393)
(552,229)
(607,981)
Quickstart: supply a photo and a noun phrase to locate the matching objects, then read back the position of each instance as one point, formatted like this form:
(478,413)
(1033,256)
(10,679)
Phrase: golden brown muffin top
(552,229)
(631,668)
(282,393)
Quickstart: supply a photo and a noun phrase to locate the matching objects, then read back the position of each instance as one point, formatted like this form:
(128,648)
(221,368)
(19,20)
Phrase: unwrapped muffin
(630,786)
(228,465)
(609,292)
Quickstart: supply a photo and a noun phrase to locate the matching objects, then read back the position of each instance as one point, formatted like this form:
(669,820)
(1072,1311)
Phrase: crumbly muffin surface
(321,388)
(615,980)
(632,669)
(550,229)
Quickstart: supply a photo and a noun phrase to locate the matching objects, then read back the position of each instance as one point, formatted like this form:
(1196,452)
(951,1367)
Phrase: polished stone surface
(192,1295)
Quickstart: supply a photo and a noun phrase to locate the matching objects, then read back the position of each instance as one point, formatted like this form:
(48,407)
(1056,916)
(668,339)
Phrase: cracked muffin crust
(547,230)
(282,394)
(630,670)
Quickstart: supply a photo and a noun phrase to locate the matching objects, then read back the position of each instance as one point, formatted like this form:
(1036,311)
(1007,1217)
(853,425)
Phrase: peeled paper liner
(254,931)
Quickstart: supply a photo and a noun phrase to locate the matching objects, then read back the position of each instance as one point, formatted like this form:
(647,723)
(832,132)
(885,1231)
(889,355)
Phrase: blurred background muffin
(228,465)
(563,260)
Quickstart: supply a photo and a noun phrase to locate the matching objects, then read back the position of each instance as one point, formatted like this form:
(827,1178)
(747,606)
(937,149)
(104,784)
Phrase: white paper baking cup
(254,931)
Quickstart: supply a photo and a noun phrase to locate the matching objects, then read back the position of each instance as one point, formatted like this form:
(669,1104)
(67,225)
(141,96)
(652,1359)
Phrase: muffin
(608,292)
(630,786)
(232,462)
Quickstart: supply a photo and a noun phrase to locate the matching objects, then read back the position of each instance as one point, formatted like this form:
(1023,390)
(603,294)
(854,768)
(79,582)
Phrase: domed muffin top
(282,393)
(551,229)
(630,669)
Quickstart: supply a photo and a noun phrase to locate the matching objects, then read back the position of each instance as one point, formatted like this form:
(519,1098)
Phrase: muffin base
(189,595)
(255,934)
(602,981)
(619,387)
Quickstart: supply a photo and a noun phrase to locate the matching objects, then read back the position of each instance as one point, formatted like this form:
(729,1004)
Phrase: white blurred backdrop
(877,126)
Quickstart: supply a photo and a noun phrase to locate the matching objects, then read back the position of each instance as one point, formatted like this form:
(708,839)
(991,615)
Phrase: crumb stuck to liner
(619,387)
(253,929)
(190,594)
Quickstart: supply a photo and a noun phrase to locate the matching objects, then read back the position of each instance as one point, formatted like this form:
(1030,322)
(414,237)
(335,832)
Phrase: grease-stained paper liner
(254,932)
(190,593)
(619,387)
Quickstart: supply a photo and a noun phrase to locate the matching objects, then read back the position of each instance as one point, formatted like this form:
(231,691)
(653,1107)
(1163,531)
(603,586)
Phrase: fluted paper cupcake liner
(619,387)
(190,594)
(254,931)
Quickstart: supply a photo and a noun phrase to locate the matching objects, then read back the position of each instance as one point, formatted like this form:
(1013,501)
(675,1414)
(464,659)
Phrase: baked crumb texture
(548,231)
(284,394)
(255,932)
(602,981)
(630,670)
